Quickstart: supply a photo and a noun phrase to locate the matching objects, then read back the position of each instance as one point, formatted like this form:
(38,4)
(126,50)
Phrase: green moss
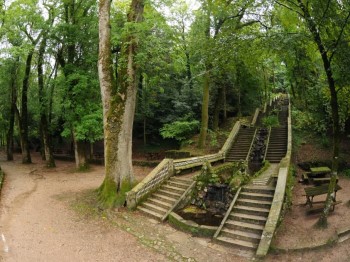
(109,196)
(192,228)
(83,168)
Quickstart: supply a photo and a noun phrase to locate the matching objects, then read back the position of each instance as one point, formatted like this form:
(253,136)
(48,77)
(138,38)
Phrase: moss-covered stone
(190,226)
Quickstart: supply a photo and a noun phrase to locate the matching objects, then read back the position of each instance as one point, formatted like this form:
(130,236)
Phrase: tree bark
(118,104)
(26,159)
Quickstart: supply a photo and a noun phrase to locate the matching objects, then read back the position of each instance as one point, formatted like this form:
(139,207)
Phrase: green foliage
(180,130)
(346,172)
(270,121)
(304,120)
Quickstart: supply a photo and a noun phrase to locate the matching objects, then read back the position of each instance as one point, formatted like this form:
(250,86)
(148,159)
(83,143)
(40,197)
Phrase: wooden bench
(311,192)
(322,180)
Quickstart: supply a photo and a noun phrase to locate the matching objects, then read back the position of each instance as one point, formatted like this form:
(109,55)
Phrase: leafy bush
(180,130)
(347,172)
(270,121)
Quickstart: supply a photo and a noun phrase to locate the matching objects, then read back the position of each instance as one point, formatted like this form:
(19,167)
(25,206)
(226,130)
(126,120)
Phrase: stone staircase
(277,147)
(162,200)
(241,147)
(245,224)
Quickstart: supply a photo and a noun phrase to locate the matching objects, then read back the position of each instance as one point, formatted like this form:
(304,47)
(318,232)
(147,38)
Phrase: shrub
(270,121)
(180,130)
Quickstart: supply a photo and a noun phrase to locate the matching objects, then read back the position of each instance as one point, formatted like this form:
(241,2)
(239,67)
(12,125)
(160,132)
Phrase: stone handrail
(231,139)
(196,161)
(228,212)
(255,117)
(279,196)
(183,196)
(161,173)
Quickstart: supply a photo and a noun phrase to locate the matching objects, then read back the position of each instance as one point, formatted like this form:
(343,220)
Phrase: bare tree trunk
(118,106)
(79,154)
(26,159)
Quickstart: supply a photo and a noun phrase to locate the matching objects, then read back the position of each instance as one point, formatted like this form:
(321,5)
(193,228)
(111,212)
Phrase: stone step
(164,198)
(177,185)
(247,218)
(251,210)
(243,226)
(237,242)
(154,208)
(242,235)
(257,196)
(173,189)
(160,203)
(259,189)
(164,192)
(149,212)
(181,180)
(253,203)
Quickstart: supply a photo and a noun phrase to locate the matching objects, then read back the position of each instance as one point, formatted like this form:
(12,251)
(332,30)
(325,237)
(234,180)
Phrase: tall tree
(118,99)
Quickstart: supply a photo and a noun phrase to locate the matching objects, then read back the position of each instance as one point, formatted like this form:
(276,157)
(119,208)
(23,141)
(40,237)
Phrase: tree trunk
(10,141)
(118,105)
(205,111)
(79,154)
(26,159)
(47,149)
(334,106)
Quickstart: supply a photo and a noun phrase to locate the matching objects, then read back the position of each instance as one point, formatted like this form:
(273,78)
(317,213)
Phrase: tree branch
(289,8)
(339,36)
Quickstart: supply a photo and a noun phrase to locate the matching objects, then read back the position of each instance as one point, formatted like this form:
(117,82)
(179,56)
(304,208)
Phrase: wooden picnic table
(311,192)
(323,170)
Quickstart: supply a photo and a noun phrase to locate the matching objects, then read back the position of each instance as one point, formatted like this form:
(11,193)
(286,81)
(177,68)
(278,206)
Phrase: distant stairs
(162,200)
(277,146)
(245,224)
(240,149)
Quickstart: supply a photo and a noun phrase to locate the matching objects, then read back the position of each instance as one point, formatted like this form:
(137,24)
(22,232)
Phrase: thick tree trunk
(334,106)
(47,149)
(118,105)
(26,159)
(10,131)
(205,111)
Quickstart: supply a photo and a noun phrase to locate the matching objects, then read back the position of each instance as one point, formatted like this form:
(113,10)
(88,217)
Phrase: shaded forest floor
(51,215)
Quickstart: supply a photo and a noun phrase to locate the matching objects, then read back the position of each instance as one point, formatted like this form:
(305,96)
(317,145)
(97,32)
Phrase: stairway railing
(150,183)
(228,212)
(267,143)
(279,196)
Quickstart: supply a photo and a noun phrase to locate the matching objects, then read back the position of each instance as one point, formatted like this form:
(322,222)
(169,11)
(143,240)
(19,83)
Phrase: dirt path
(38,223)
